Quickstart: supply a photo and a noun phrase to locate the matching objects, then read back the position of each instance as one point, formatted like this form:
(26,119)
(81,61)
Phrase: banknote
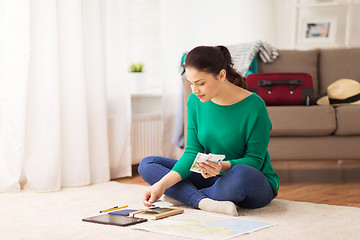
(202,157)
(159,204)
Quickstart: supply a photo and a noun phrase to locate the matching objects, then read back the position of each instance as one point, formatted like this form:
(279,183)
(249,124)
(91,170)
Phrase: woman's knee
(242,174)
(144,164)
(242,170)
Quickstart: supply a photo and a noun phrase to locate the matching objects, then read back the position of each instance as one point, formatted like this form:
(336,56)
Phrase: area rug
(58,215)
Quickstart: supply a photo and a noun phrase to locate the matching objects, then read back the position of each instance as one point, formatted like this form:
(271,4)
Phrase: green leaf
(136,67)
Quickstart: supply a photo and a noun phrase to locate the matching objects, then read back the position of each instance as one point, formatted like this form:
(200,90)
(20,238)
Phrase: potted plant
(137,77)
(136,68)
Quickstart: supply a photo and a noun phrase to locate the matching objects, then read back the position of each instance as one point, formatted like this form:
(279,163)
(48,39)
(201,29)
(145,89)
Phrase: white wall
(284,24)
(188,23)
(287,34)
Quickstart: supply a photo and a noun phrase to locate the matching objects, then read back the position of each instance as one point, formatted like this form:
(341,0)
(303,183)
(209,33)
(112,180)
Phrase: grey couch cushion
(335,64)
(348,120)
(315,148)
(302,120)
(294,61)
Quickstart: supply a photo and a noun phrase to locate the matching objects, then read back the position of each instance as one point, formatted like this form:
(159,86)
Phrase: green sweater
(240,131)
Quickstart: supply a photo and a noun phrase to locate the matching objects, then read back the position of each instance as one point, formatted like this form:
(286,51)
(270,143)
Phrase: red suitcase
(282,88)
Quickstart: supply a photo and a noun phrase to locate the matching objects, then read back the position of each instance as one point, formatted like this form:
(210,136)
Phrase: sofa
(315,132)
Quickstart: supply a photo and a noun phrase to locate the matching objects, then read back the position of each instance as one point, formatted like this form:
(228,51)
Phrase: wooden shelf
(147,93)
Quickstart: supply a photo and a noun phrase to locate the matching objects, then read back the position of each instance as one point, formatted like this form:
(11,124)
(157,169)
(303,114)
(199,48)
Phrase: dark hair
(213,60)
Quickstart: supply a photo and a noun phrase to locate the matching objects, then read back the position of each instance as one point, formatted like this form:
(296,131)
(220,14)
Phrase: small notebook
(156,213)
(123,212)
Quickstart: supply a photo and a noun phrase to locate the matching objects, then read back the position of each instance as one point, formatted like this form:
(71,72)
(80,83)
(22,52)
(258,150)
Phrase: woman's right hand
(153,194)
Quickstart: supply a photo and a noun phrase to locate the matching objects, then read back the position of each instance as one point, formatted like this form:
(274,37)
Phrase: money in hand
(202,157)
(159,204)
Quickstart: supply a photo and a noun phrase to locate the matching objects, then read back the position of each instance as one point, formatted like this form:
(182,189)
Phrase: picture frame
(318,30)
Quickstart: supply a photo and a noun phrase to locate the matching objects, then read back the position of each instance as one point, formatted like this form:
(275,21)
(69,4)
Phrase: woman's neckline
(229,105)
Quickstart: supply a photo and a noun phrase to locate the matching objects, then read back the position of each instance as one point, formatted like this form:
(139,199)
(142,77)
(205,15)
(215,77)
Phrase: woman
(223,118)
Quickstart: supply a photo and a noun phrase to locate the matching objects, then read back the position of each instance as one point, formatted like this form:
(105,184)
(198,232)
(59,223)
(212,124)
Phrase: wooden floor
(328,182)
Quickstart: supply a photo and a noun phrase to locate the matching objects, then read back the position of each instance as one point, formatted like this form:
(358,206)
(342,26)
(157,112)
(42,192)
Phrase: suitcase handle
(293,83)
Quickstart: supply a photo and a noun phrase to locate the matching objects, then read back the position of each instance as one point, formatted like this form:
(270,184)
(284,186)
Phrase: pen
(114,208)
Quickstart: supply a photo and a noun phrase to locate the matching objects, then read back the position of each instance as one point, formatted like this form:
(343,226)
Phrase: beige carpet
(58,215)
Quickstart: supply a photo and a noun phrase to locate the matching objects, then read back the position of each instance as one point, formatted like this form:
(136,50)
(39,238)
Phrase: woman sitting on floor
(223,118)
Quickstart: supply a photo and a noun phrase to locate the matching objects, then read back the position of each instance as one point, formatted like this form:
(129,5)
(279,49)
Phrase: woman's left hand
(210,169)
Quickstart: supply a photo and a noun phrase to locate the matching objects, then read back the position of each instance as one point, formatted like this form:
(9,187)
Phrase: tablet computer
(114,220)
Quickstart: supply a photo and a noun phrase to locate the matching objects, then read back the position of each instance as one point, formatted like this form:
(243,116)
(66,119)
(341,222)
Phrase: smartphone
(117,220)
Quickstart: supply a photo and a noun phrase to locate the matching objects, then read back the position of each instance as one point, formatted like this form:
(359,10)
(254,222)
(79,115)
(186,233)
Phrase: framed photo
(318,30)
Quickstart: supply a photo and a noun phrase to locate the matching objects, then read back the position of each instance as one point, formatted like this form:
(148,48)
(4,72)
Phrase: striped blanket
(243,54)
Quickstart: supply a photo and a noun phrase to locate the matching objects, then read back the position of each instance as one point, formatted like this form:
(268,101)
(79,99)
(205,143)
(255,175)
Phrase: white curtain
(118,94)
(187,24)
(53,106)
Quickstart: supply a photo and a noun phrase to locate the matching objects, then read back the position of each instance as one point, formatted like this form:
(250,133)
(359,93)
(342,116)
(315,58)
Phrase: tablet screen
(114,220)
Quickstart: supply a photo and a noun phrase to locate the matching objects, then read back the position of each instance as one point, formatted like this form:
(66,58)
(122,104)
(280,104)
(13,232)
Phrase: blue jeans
(245,186)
